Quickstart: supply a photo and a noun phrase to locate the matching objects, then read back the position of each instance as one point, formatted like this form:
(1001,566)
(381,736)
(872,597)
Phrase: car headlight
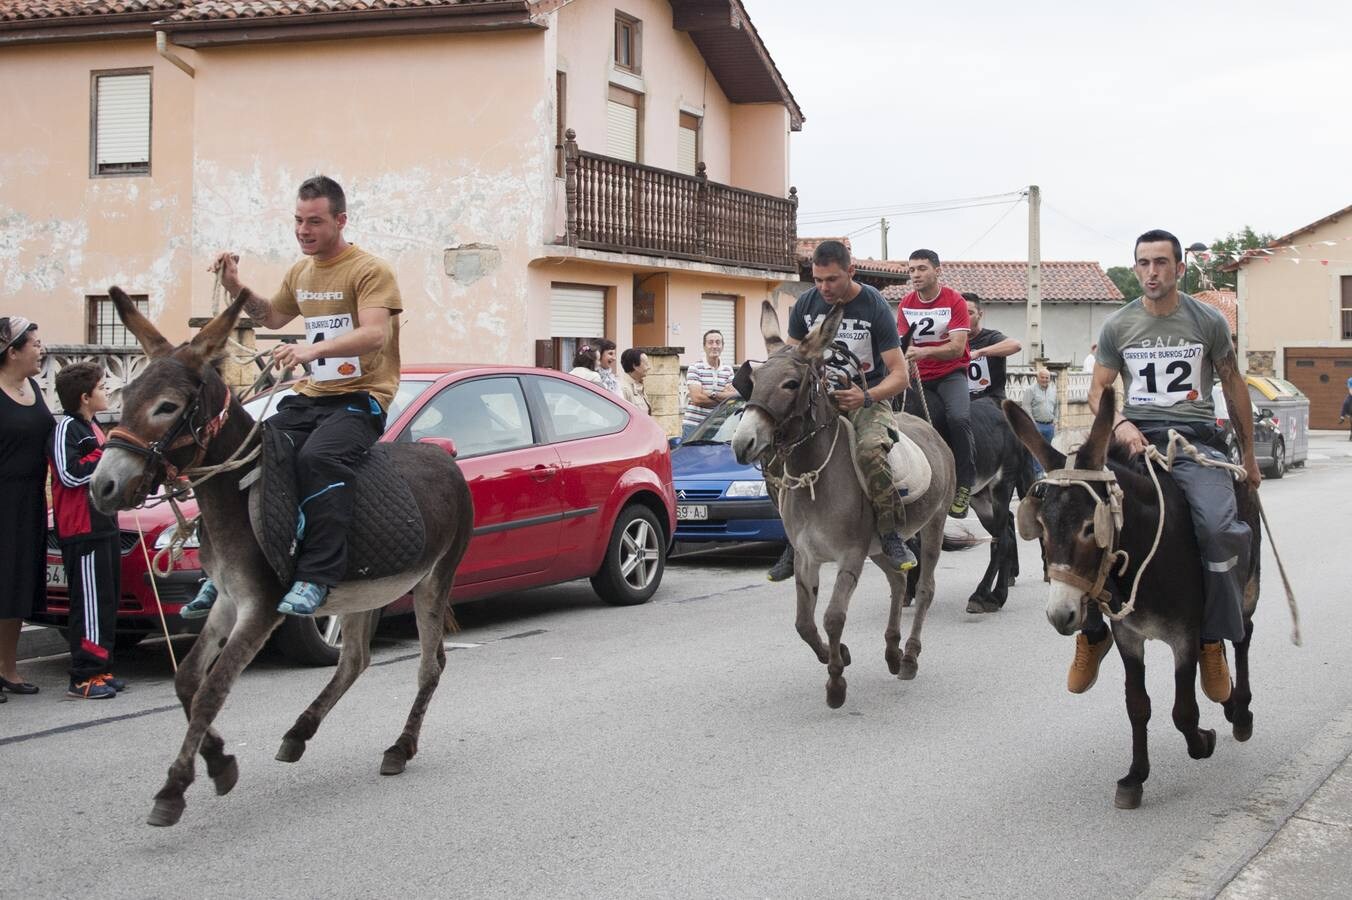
(747,489)
(167,535)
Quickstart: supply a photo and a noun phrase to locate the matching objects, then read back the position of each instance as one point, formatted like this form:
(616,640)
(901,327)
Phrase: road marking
(80,726)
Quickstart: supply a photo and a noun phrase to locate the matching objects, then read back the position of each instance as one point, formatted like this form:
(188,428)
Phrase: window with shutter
(120,123)
(687,144)
(104,327)
(719,312)
(624,124)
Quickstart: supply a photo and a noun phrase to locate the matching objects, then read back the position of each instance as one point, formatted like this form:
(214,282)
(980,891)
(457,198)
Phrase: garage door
(719,311)
(1322,375)
(577,311)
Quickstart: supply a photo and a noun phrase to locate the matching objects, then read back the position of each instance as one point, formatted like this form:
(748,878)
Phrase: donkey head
(787,391)
(166,412)
(1074,521)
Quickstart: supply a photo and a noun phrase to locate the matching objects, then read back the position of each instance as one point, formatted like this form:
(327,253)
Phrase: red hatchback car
(568,482)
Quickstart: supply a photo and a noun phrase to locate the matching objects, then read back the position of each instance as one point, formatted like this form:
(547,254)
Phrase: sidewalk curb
(1214,861)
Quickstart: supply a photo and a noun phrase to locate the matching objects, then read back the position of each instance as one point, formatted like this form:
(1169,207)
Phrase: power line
(1007,195)
(1013,206)
(1089,228)
(890,212)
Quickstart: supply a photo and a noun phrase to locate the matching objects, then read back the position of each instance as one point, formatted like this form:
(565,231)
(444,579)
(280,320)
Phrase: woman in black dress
(25,423)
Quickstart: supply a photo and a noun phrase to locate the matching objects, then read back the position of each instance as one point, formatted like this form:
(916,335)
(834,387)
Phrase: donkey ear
(152,342)
(1094,451)
(820,338)
(770,327)
(1047,456)
(210,341)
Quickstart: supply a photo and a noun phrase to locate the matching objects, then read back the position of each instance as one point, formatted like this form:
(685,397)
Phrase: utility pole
(1035,348)
(883,224)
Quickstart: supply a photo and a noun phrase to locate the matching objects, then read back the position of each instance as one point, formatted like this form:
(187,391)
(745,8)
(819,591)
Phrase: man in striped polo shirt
(708,383)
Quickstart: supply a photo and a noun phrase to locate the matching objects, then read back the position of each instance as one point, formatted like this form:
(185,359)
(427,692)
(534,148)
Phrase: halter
(1107,530)
(804,409)
(156,452)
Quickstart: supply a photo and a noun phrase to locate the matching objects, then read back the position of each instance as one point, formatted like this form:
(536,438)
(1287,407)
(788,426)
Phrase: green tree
(1126,282)
(1204,269)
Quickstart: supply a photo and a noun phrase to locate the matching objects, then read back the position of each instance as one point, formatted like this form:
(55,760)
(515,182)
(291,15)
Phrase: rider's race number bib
(931,325)
(326,328)
(1163,376)
(978,375)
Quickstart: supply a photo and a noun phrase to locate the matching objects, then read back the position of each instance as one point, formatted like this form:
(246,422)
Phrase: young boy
(89,539)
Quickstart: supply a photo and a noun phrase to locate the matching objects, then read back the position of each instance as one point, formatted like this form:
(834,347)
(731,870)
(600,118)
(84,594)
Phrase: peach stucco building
(446,121)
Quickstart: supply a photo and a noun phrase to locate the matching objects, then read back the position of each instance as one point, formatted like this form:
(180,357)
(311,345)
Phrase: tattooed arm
(1241,413)
(260,309)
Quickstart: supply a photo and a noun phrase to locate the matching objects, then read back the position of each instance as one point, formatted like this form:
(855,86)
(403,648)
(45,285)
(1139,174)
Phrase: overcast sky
(1199,117)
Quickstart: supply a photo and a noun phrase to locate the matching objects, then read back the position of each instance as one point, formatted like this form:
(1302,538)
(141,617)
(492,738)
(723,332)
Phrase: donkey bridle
(182,433)
(804,409)
(1107,529)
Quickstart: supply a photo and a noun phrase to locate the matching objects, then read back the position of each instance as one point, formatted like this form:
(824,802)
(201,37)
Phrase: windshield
(407,392)
(718,428)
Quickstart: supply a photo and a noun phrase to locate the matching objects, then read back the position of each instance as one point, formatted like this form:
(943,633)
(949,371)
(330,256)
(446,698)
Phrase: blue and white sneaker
(304,599)
(200,605)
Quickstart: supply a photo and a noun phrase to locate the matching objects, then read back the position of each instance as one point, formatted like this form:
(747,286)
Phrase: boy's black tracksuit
(89,548)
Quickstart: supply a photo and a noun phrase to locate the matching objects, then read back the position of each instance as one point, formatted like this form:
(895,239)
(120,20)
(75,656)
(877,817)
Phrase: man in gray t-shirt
(1169,350)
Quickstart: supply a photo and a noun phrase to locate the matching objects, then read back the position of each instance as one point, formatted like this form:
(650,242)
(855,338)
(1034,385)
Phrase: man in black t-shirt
(988,349)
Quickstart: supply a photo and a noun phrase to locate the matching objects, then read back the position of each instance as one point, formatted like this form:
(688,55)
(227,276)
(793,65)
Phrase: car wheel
(310,641)
(635,558)
(1278,467)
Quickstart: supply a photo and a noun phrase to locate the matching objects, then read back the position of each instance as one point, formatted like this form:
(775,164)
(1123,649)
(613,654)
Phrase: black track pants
(330,435)
(94,573)
(956,402)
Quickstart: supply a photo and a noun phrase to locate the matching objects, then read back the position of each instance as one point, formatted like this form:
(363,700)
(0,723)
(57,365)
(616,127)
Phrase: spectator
(25,423)
(1346,412)
(1039,401)
(584,365)
(1092,358)
(605,365)
(708,383)
(89,539)
(635,365)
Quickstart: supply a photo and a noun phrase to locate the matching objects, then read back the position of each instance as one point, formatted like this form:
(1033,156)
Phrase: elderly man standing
(707,383)
(1039,401)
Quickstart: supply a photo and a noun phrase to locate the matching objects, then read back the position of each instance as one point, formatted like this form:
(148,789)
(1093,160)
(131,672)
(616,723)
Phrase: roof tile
(997,282)
(1226,302)
(26,10)
(203,10)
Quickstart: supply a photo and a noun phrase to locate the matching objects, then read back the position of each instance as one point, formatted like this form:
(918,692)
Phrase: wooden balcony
(626,207)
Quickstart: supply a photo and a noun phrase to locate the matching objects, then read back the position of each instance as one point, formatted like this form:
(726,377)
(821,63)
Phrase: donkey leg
(432,598)
(983,599)
(240,648)
(221,767)
(1237,707)
(931,543)
(1130,786)
(352,661)
(1201,741)
(847,578)
(898,584)
(807,582)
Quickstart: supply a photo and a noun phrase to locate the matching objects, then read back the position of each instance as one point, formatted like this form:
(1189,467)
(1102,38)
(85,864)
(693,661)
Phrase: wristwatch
(868,401)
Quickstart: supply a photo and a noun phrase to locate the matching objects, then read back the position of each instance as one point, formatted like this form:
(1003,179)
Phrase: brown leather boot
(1084,671)
(1215,673)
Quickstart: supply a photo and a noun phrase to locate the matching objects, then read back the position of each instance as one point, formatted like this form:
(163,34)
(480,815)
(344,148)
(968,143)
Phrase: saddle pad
(911,471)
(385,535)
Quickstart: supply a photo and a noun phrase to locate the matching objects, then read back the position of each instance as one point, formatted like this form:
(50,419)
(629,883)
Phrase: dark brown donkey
(1085,529)
(180,413)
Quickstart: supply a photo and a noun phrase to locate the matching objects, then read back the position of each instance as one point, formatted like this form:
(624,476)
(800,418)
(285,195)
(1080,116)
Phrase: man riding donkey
(937,317)
(1170,350)
(869,332)
(350,303)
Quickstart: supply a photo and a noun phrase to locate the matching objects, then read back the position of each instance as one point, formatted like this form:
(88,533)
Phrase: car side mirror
(444,443)
(1265,413)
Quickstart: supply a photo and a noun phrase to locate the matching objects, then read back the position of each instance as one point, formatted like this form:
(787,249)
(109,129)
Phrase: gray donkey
(791,421)
(179,413)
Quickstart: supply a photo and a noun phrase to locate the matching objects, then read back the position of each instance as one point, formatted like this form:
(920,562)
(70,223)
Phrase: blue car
(718,498)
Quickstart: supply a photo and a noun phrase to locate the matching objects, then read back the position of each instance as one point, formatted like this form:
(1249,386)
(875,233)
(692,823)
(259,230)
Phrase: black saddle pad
(385,536)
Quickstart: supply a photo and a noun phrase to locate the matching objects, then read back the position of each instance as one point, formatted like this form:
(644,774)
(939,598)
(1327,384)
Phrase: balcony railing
(120,365)
(630,208)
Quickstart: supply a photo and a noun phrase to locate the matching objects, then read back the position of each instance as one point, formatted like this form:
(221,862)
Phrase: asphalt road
(684,749)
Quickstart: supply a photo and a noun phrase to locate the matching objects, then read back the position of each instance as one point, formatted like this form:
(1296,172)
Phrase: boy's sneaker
(94,688)
(200,605)
(961,503)
(782,570)
(897,551)
(116,684)
(304,599)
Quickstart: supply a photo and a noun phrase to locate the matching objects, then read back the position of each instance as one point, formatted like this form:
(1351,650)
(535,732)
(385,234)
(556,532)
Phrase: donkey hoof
(978,604)
(909,667)
(835,693)
(394,762)
(292,749)
(1208,744)
(1128,796)
(1243,729)
(844,655)
(226,778)
(166,812)
(893,657)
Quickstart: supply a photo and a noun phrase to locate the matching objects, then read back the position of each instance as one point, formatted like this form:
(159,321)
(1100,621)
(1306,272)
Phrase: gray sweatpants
(1222,536)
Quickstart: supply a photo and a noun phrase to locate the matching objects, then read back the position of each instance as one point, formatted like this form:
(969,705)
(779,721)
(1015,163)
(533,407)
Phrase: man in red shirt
(938,315)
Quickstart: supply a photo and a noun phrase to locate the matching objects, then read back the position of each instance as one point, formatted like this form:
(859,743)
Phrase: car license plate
(691,513)
(56,575)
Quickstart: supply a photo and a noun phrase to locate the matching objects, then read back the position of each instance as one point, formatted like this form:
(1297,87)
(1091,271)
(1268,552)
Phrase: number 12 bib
(1163,376)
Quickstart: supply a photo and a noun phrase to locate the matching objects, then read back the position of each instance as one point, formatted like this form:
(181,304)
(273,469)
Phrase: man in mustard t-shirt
(350,303)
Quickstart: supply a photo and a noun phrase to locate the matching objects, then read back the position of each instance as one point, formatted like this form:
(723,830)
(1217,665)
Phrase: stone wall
(664,385)
(1261,362)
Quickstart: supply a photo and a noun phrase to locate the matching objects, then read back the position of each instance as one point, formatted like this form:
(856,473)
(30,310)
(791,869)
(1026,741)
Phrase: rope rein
(791,482)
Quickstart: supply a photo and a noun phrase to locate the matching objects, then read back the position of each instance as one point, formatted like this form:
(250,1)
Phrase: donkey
(1086,539)
(181,414)
(834,520)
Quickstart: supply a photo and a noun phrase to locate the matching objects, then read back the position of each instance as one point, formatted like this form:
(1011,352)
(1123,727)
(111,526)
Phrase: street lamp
(1194,248)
